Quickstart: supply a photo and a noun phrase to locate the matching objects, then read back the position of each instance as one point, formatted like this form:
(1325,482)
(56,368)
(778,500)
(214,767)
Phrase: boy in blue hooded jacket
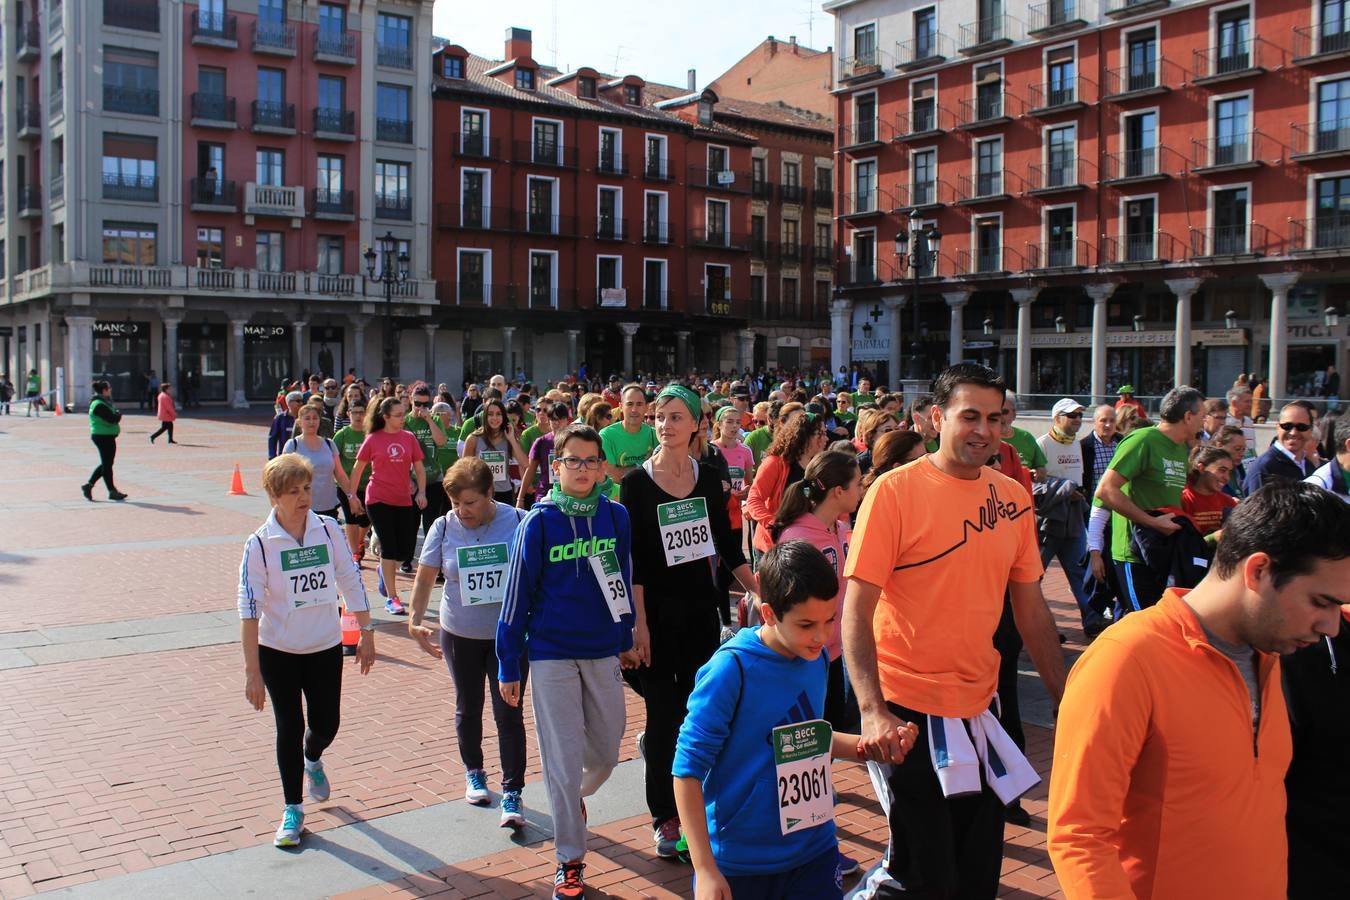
(569,606)
(752,761)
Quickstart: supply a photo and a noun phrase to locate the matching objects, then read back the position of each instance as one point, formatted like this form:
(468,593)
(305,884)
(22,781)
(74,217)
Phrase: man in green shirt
(864,393)
(1033,457)
(628,442)
(758,440)
(1148,472)
(921,420)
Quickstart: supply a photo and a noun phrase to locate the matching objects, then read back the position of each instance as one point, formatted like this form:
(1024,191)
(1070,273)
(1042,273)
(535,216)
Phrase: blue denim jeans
(1071,552)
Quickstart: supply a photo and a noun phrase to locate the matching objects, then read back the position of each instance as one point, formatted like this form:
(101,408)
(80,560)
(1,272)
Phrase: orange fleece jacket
(1159,789)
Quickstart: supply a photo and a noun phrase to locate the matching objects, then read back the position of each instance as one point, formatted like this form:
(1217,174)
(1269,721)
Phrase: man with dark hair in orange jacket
(1173,738)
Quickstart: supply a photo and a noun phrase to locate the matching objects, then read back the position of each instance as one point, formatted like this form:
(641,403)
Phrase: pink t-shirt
(832,543)
(166,410)
(391,457)
(743,458)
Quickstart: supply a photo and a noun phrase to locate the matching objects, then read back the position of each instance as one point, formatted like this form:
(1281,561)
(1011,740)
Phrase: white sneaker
(292,823)
(512,817)
(319,786)
(475,788)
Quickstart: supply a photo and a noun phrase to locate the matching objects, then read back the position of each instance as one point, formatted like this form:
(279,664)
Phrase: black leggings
(319,677)
(396,527)
(163,427)
(107,451)
(470,661)
(1008,643)
(437,505)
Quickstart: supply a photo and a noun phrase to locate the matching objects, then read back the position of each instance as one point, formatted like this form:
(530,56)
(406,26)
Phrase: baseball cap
(1067,405)
(1126,389)
(740,390)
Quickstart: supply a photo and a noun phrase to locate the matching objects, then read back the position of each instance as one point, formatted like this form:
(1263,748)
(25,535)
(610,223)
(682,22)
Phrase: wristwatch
(369,626)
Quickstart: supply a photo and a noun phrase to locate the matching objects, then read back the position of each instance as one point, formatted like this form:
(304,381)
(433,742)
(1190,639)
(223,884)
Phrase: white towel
(962,748)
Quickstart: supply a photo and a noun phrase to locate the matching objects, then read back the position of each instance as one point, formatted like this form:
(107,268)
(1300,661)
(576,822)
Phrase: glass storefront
(1061,371)
(201,363)
(122,358)
(325,351)
(1149,369)
(267,360)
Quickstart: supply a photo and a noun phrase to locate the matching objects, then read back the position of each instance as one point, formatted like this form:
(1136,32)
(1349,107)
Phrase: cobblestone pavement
(130,764)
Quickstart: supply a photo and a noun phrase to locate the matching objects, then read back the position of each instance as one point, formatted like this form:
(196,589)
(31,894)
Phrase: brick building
(1119,189)
(781,72)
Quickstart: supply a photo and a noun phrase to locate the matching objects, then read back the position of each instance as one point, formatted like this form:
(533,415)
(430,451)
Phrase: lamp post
(393,271)
(1230,320)
(1331,317)
(923,242)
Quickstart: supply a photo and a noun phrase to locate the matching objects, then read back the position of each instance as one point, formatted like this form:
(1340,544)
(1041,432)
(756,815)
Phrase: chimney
(518,43)
(693,81)
(773,45)
(792,39)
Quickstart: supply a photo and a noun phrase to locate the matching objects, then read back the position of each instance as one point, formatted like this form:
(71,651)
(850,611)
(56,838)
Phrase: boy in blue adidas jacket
(569,607)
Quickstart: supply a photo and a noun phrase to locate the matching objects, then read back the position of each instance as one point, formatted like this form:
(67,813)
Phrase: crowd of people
(790,572)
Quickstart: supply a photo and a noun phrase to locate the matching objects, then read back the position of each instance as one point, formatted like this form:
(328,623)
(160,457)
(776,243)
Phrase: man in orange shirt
(1173,739)
(936,545)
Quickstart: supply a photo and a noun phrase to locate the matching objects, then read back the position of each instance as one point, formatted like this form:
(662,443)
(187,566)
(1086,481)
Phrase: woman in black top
(680,527)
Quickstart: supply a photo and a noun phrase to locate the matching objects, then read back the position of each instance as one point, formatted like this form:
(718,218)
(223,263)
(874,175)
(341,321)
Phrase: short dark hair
(577,432)
(100,386)
(793,572)
(1303,405)
(921,405)
(1294,523)
(559,410)
(965,373)
(1178,401)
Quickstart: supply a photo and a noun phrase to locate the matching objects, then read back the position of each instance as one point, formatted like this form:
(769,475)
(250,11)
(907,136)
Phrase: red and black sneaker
(567,884)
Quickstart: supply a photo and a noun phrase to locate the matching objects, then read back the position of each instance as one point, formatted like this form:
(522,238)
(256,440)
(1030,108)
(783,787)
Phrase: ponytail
(829,470)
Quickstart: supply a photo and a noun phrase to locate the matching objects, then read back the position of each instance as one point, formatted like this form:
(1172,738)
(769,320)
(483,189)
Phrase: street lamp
(1332,317)
(988,327)
(1061,326)
(923,243)
(1138,323)
(393,271)
(1230,320)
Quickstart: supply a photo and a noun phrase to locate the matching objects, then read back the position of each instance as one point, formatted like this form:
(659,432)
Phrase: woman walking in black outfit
(104,427)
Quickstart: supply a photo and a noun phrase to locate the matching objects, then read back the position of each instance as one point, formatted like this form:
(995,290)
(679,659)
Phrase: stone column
(682,352)
(508,351)
(1099,293)
(80,361)
(429,368)
(1185,290)
(956,343)
(171,322)
(841,318)
(234,376)
(745,349)
(359,345)
(629,329)
(572,362)
(1024,297)
(298,333)
(894,359)
(1279,286)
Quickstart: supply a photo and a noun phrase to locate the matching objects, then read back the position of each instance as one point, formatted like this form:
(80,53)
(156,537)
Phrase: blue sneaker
(394,607)
(292,823)
(476,789)
(379,576)
(511,815)
(319,786)
(847,865)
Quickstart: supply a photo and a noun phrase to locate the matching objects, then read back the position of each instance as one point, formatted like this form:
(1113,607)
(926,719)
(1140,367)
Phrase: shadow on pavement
(160,507)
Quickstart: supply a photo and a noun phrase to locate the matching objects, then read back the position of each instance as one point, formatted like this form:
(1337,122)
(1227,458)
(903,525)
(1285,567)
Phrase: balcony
(799,310)
(273,200)
(794,253)
(544,297)
(1230,153)
(1231,243)
(395,131)
(136,101)
(761,190)
(1315,44)
(721,307)
(139,15)
(931,49)
(56,103)
(1141,165)
(1243,59)
(276,38)
(392,56)
(986,187)
(1126,83)
(1052,257)
(862,67)
(923,123)
(988,34)
(988,262)
(609,228)
(875,202)
(393,206)
(761,248)
(57,190)
(335,124)
(335,47)
(29,117)
(1063,96)
(988,111)
(656,232)
(212,111)
(718,239)
(546,153)
(924,196)
(1326,235)
(213,195)
(822,198)
(657,168)
(1141,250)
(474,145)
(719,179)
(214,29)
(56,20)
(544,222)
(477,295)
(333,205)
(29,200)
(273,118)
(1060,175)
(131,188)
(860,135)
(615,164)
(29,44)
(1055,17)
(822,254)
(865,273)
(472,216)
(791,193)
(1124,9)
(1320,140)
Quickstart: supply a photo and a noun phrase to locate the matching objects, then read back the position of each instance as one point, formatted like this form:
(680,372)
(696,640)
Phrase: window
(655,224)
(586,87)
(453,66)
(127,244)
(654,283)
(1139,230)
(1332,226)
(1232,138)
(542,217)
(270,166)
(1230,211)
(865,119)
(1142,72)
(472,212)
(608,223)
(1333,115)
(864,186)
(656,156)
(332,22)
(58,243)
(393,120)
(333,94)
(791,238)
(705,112)
(607,272)
(210,165)
(923,168)
(989,167)
(823,241)
(58,73)
(791,297)
(865,45)
(824,181)
(473,276)
(543,294)
(758,305)
(864,256)
(1234,50)
(473,132)
(759,244)
(393,41)
(923,106)
(1059,156)
(130,81)
(547,143)
(718,213)
(989,244)
(609,151)
(268,248)
(759,170)
(925,33)
(329,260)
(632,94)
(210,248)
(129,168)
(1060,77)
(271,105)
(330,178)
(988,92)
(391,189)
(525,79)
(792,182)
(272,12)
(1335,26)
(717,162)
(1059,232)
(1141,144)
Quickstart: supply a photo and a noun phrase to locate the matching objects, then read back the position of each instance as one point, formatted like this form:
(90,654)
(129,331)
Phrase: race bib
(308,575)
(801,756)
(608,574)
(548,469)
(686,533)
(482,574)
(496,462)
(737,478)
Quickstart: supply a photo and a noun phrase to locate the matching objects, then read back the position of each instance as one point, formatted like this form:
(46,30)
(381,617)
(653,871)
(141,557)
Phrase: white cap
(1067,405)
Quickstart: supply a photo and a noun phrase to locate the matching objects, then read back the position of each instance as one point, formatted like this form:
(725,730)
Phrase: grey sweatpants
(579,717)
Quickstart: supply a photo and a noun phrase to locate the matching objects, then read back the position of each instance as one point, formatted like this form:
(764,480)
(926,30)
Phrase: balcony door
(543,291)
(1139,229)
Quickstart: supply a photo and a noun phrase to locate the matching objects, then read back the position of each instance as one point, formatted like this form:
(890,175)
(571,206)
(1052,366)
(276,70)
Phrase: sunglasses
(1300,427)
(421,404)
(1077,415)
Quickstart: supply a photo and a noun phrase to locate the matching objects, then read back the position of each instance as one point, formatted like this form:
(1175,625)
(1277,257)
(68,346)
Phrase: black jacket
(1090,478)
(1274,464)
(1182,556)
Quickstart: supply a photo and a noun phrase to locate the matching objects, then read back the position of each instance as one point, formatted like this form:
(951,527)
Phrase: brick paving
(112,766)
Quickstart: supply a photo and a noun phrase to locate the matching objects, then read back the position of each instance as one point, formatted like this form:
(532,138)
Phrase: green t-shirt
(758,441)
(847,418)
(348,441)
(714,397)
(624,449)
(859,398)
(931,446)
(1033,457)
(431,461)
(529,436)
(1154,469)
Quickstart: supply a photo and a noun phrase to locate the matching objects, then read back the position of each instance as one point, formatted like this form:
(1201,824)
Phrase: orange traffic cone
(351,633)
(237,483)
(56,408)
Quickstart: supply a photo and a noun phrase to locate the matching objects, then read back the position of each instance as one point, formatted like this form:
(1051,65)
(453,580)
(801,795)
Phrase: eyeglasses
(649,418)
(1077,415)
(576,462)
(421,404)
(1300,427)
